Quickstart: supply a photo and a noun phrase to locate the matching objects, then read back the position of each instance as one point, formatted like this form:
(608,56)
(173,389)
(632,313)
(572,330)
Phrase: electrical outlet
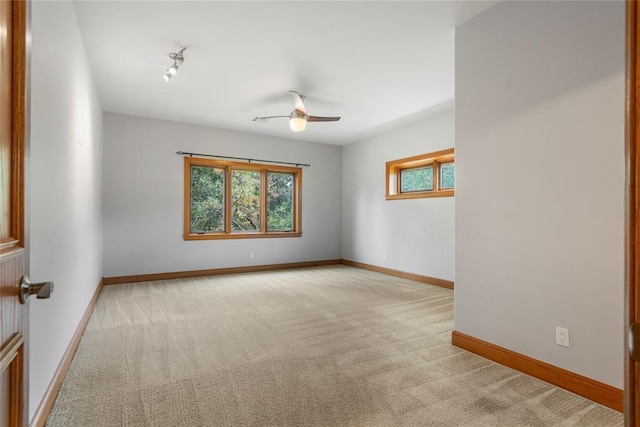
(562,336)
(386,257)
(250,255)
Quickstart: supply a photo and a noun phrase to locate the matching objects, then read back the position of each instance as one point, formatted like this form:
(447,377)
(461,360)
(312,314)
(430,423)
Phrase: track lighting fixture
(178,60)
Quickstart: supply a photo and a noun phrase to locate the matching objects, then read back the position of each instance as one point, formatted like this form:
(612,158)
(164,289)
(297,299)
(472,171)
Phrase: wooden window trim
(394,168)
(228,166)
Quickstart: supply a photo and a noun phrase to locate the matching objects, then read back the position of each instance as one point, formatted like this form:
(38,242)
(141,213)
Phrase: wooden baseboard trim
(117,280)
(575,383)
(44,408)
(411,276)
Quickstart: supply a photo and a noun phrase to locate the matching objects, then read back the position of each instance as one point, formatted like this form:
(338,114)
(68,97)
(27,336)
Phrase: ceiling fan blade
(322,119)
(266,119)
(297,102)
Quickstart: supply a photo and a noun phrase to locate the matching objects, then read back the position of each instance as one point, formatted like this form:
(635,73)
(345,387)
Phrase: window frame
(393,175)
(228,232)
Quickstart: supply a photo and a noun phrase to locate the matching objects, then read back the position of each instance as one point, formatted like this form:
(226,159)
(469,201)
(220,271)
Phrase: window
(229,200)
(427,175)
(417,179)
(447,175)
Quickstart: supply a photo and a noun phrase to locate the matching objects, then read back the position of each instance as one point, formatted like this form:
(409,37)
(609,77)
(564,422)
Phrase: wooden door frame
(19,133)
(14,246)
(632,235)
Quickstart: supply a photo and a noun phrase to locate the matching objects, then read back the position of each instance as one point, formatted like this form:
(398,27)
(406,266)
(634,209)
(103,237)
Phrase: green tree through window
(280,201)
(447,175)
(245,200)
(420,179)
(207,199)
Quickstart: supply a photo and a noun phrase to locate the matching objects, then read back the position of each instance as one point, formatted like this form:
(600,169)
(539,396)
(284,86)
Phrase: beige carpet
(329,346)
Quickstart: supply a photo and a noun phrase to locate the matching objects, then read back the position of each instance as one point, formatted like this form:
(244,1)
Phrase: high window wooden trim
(426,175)
(234,200)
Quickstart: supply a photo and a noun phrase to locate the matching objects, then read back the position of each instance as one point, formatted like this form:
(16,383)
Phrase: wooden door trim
(19,120)
(631,208)
(10,351)
(13,242)
(12,358)
(16,240)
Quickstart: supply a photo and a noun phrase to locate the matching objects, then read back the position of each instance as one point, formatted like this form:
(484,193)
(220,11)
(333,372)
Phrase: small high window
(426,175)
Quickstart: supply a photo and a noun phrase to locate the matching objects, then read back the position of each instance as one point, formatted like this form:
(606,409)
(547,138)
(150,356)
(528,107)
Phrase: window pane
(418,179)
(280,201)
(207,199)
(447,175)
(245,200)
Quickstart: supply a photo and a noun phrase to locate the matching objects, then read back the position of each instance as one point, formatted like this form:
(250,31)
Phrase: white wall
(65,187)
(144,198)
(416,235)
(540,181)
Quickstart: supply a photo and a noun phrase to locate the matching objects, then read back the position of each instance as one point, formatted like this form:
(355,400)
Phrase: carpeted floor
(327,346)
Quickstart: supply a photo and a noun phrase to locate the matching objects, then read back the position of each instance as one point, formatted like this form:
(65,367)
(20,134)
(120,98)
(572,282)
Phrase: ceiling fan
(298,118)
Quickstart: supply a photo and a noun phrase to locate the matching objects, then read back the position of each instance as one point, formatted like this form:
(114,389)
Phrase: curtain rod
(183,153)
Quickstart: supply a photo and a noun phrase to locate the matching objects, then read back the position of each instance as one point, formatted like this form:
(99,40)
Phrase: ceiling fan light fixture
(297,121)
(167,77)
(298,118)
(173,69)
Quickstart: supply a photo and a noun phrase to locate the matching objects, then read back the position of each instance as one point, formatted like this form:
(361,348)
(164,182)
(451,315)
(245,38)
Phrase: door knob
(41,290)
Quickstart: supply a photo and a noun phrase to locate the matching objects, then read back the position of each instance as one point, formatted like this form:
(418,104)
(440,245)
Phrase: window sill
(228,236)
(421,195)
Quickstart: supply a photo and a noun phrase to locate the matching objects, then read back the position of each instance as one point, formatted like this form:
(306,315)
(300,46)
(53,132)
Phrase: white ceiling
(370,62)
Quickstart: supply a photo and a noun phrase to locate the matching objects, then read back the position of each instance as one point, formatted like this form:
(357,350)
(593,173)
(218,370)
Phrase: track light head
(178,60)
(178,57)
